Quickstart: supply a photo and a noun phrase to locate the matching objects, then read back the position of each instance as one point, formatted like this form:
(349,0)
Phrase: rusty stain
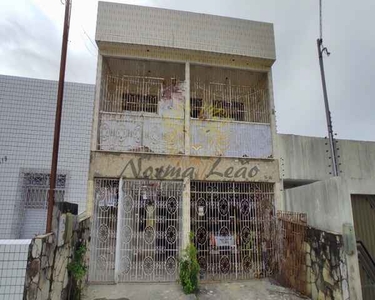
(292,272)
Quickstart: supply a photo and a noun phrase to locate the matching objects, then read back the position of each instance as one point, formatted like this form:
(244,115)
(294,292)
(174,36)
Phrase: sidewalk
(256,289)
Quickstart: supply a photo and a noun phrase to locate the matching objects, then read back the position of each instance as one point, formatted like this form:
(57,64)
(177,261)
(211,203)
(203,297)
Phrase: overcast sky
(31,30)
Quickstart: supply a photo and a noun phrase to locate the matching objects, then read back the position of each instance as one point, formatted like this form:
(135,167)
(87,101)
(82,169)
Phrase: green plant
(189,268)
(78,269)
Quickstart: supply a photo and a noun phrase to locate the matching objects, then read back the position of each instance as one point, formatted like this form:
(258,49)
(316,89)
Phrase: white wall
(13,262)
(26,135)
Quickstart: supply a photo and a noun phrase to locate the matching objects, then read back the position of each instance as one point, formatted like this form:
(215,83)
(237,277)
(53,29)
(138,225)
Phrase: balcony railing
(147,114)
(142,114)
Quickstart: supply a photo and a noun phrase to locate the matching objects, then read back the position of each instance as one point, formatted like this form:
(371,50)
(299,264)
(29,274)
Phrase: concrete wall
(306,158)
(26,135)
(325,202)
(184,30)
(328,206)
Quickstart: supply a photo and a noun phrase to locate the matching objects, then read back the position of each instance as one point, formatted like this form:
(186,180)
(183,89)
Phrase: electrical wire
(321,19)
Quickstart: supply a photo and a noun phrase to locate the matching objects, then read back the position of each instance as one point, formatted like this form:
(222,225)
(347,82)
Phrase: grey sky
(30,33)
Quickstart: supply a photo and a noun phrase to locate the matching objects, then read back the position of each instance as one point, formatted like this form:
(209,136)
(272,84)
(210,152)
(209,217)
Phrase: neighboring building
(27,117)
(183,141)
(343,205)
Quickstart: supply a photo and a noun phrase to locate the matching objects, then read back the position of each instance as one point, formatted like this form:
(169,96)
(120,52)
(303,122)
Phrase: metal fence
(234,229)
(291,254)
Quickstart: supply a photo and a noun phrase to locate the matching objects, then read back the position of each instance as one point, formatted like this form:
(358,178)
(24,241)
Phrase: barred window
(136,102)
(36,186)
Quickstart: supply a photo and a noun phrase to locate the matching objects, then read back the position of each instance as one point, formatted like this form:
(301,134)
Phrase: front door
(234,229)
(148,239)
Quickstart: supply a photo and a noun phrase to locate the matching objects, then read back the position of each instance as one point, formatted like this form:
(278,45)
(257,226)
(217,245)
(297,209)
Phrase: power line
(84,31)
(321,19)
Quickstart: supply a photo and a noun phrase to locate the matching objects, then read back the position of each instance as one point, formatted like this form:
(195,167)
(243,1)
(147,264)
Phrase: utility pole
(332,144)
(56,138)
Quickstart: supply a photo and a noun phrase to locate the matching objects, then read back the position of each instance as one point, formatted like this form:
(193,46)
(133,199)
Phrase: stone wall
(47,276)
(326,269)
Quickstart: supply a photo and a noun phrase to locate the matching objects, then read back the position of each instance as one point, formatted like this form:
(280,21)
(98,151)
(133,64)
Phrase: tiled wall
(184,30)
(13,261)
(27,117)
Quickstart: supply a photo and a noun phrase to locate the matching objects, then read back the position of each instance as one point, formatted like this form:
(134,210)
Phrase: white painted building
(27,117)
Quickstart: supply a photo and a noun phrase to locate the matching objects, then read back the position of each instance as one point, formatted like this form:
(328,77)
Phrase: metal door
(148,231)
(103,232)
(234,229)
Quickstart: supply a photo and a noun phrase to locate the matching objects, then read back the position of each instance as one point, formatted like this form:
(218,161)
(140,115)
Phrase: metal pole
(56,139)
(328,112)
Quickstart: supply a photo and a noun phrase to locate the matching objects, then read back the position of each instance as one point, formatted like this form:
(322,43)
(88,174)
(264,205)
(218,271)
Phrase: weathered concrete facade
(178,103)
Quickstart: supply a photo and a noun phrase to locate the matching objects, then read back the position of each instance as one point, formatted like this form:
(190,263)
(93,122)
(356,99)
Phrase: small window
(36,187)
(136,102)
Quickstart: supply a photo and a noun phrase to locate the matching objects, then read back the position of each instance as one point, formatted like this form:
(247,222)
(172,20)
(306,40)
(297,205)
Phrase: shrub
(189,268)
(78,270)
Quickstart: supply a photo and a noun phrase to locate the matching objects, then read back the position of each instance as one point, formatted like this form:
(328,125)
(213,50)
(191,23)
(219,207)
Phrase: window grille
(131,93)
(36,187)
(229,102)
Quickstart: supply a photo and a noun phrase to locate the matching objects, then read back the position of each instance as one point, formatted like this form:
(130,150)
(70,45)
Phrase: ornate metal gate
(146,237)
(103,233)
(234,229)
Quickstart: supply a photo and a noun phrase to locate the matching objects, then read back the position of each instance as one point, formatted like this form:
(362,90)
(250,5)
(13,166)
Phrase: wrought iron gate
(234,229)
(103,232)
(145,223)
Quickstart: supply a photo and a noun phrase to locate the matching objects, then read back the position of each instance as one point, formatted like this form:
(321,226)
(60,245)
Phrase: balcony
(144,111)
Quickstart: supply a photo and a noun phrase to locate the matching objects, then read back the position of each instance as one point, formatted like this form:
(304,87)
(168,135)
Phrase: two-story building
(183,141)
